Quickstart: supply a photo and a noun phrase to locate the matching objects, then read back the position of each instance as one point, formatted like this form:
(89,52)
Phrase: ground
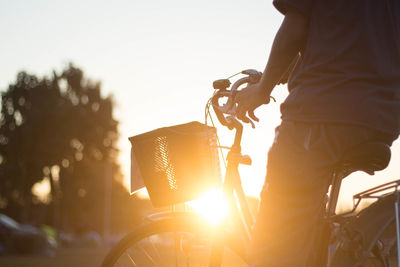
(65,257)
(73,257)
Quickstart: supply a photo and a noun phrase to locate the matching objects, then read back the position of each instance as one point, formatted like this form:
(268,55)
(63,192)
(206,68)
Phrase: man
(344,91)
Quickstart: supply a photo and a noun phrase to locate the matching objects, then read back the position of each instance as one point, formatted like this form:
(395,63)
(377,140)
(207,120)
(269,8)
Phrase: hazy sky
(158,59)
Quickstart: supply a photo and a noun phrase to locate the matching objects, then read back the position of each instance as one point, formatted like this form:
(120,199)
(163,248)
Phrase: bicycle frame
(233,191)
(244,221)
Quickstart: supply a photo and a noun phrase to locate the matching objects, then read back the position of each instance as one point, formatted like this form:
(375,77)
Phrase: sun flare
(211,205)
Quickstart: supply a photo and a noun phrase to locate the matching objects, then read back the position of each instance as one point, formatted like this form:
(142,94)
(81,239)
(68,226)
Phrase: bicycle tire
(370,238)
(384,251)
(386,248)
(156,237)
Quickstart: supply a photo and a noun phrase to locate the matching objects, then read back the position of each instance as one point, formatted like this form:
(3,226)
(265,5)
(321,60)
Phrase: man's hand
(248,100)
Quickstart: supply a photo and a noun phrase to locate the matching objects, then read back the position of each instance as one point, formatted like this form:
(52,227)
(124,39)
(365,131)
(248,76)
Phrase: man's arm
(288,42)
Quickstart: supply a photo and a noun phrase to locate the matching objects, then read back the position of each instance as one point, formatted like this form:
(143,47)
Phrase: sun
(211,205)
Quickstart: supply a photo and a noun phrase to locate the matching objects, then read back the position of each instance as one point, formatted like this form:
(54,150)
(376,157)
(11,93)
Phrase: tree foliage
(61,129)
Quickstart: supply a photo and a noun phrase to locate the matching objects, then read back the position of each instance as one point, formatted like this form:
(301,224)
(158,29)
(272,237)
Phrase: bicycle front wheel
(168,242)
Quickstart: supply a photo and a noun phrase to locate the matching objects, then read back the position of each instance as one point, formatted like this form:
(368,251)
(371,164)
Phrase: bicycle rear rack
(377,192)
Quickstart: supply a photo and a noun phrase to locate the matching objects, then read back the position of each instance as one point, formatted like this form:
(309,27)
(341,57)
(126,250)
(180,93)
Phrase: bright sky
(158,59)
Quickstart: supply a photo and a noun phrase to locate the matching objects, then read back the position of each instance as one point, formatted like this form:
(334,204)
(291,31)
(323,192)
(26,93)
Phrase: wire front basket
(176,163)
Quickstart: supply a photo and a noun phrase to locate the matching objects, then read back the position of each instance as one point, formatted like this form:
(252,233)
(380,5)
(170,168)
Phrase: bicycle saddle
(367,157)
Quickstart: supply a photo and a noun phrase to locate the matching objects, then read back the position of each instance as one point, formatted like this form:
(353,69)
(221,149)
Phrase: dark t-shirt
(349,71)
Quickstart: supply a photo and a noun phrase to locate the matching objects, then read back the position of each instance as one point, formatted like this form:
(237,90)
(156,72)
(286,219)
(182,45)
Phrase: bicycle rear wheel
(384,253)
(168,242)
(370,238)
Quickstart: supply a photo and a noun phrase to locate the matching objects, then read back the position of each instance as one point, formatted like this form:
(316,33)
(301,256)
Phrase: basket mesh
(177,163)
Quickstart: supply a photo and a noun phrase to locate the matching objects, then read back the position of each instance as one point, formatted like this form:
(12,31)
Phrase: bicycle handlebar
(229,107)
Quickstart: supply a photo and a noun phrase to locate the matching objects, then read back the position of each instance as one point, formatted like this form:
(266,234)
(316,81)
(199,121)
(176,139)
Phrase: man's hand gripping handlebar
(232,107)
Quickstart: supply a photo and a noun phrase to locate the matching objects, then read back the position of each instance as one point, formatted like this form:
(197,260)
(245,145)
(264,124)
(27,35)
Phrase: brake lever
(230,109)
(254,75)
(251,72)
(251,123)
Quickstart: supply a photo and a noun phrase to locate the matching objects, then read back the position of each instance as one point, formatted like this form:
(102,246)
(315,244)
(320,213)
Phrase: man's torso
(349,71)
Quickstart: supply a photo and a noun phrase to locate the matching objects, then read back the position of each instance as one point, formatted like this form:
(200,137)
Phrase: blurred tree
(30,115)
(93,155)
(63,130)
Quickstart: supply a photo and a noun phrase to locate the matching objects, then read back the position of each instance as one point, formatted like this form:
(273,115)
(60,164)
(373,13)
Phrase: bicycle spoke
(132,261)
(148,256)
(153,246)
(186,251)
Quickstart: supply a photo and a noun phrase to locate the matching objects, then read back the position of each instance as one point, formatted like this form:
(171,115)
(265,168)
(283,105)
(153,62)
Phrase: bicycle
(365,238)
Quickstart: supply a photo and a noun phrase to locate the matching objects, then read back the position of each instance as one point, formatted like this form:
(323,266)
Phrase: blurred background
(77,78)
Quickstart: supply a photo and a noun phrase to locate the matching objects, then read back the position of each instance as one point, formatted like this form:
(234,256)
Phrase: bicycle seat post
(334,193)
(396,210)
(330,211)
